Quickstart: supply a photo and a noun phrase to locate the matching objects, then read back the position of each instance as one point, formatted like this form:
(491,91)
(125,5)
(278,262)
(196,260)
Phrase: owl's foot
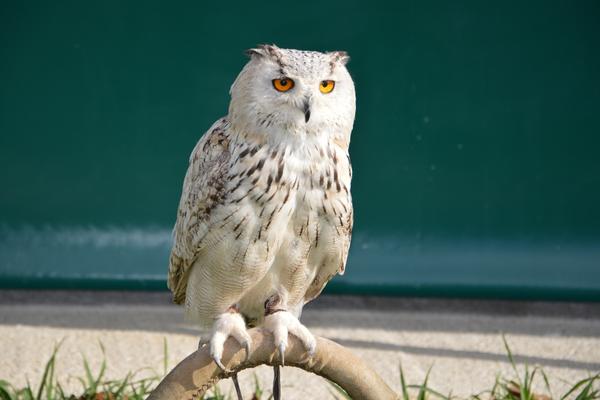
(280,323)
(230,323)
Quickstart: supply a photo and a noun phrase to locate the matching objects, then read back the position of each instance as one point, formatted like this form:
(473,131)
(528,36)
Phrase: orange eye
(326,86)
(283,84)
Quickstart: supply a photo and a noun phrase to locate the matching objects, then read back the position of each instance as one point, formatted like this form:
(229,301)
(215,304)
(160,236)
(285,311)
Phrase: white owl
(265,216)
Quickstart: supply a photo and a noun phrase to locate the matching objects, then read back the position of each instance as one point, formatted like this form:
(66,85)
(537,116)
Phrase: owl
(265,216)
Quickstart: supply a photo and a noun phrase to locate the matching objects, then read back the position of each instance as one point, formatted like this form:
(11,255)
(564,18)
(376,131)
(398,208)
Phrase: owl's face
(294,91)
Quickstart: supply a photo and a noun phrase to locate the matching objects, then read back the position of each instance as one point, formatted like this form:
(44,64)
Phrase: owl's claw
(282,347)
(217,361)
(247,347)
(228,324)
(283,323)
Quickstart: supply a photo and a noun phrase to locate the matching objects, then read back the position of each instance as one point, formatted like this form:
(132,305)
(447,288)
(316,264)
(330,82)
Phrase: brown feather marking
(279,172)
(235,228)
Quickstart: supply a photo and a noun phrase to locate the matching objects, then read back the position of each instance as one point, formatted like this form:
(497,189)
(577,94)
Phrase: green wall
(475,149)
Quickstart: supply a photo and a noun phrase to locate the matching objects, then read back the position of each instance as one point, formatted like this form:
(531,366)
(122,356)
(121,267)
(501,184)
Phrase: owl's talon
(217,361)
(247,347)
(282,347)
(226,325)
(281,324)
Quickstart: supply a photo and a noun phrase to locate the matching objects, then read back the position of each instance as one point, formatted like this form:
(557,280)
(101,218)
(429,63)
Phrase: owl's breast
(302,221)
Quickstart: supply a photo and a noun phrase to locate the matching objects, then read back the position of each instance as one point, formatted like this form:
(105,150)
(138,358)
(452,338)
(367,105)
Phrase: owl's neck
(296,136)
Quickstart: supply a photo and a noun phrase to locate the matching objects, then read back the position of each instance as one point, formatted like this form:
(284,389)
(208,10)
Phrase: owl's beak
(306,109)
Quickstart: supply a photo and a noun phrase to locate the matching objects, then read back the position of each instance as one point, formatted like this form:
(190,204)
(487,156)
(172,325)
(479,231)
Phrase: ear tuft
(339,57)
(263,50)
(253,52)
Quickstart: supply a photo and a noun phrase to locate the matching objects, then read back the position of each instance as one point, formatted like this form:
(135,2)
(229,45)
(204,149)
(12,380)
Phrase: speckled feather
(266,206)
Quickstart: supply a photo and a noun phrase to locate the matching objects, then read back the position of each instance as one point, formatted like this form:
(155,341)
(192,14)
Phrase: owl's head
(284,90)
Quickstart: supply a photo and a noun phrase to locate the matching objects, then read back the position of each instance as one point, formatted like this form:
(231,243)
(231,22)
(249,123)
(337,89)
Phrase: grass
(95,386)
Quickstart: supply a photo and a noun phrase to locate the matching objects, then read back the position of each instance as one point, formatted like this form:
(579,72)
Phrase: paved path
(460,339)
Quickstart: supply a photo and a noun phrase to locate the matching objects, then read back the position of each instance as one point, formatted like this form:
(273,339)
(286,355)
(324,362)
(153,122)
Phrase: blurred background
(475,148)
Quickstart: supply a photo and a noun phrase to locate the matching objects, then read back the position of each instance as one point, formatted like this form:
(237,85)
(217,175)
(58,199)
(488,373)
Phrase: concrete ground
(461,340)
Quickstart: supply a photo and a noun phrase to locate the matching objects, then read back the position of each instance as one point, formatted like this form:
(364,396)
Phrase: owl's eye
(283,84)
(326,86)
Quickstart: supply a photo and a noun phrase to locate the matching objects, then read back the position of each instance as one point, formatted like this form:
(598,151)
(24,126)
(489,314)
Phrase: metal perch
(197,373)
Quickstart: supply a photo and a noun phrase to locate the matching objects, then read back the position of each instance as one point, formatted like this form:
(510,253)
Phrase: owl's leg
(280,323)
(230,323)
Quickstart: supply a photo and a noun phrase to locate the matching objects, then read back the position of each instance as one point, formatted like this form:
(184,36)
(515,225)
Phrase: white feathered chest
(278,218)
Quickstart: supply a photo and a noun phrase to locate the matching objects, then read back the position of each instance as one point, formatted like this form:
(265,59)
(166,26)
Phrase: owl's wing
(203,186)
(344,224)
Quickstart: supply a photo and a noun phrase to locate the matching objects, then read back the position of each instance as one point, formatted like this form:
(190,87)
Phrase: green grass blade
(511,358)
(90,386)
(122,387)
(588,392)
(27,392)
(217,393)
(5,391)
(423,390)
(584,394)
(50,389)
(403,384)
(547,383)
(578,385)
(93,383)
(102,366)
(61,392)
(495,387)
(526,393)
(47,368)
(258,392)
(438,394)
(101,373)
(428,390)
